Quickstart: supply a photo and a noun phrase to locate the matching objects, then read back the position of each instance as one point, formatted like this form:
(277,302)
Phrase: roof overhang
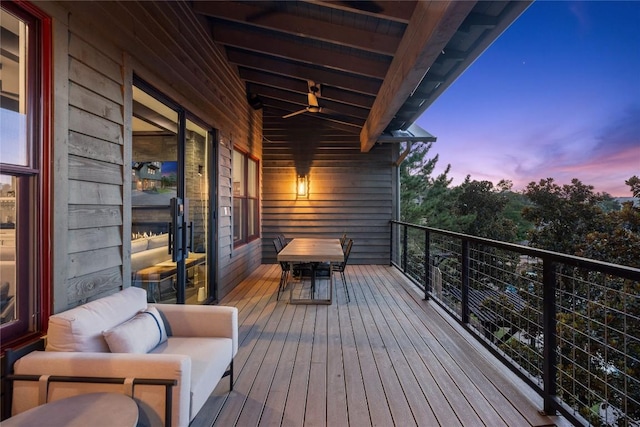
(375,66)
(413,134)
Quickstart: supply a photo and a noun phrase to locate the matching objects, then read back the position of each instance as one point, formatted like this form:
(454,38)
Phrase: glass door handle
(190,245)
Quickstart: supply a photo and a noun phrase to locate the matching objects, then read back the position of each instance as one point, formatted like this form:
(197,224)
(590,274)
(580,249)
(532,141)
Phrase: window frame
(245,200)
(33,191)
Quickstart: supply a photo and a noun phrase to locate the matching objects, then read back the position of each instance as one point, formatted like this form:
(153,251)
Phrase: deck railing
(569,326)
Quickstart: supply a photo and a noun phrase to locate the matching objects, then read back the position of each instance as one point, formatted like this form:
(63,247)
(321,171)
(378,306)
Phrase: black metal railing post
(550,362)
(391,225)
(404,247)
(465,282)
(428,286)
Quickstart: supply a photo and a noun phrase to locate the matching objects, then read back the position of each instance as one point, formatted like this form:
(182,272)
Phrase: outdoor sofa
(121,336)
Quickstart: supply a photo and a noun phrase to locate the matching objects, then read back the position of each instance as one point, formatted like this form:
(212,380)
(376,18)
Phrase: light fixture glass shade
(302,187)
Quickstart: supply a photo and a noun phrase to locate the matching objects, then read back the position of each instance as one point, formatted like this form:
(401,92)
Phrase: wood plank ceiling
(372,66)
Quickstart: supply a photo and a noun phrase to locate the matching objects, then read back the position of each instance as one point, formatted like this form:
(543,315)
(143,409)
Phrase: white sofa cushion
(149,258)
(140,334)
(160,241)
(139,245)
(210,359)
(80,328)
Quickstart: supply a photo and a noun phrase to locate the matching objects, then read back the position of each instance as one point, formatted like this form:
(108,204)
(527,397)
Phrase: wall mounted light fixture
(302,187)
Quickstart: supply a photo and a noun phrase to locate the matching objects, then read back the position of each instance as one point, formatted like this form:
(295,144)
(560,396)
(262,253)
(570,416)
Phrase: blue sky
(557,95)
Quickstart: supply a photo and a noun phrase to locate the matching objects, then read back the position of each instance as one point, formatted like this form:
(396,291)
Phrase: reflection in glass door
(198,225)
(169,203)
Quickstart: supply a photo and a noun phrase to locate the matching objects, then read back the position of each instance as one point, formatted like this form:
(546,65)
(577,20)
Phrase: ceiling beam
(399,11)
(278,108)
(452,54)
(268,17)
(478,20)
(307,122)
(277,126)
(301,100)
(284,47)
(297,134)
(154,118)
(273,80)
(302,71)
(431,27)
(301,86)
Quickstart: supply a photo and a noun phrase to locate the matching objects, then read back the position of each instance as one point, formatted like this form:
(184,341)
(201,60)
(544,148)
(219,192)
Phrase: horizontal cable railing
(569,326)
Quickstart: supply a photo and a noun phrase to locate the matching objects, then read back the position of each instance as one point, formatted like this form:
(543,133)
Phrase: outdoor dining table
(313,251)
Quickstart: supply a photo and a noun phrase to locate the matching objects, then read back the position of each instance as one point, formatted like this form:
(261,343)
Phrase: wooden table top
(92,409)
(303,249)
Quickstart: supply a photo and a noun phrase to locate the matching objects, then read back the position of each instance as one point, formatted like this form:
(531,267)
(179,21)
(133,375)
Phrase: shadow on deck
(386,358)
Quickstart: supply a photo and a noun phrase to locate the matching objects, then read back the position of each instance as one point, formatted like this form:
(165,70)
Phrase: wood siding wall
(95,172)
(98,46)
(349,191)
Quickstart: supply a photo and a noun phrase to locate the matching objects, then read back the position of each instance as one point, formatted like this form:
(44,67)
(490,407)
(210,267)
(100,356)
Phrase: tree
(483,205)
(415,172)
(618,241)
(562,215)
(516,202)
(475,207)
(609,203)
(634,183)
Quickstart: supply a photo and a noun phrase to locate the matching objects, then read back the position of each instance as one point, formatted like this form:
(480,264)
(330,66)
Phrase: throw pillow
(140,334)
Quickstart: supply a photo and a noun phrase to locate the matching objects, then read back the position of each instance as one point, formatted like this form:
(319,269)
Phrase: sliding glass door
(171,201)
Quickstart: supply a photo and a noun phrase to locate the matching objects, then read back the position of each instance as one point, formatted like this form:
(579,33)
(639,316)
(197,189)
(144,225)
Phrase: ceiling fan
(312,101)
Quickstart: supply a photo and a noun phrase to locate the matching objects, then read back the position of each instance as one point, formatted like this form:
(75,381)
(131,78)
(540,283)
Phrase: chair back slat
(347,251)
(277,244)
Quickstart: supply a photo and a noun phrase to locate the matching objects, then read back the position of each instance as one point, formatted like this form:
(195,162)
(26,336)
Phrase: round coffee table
(92,409)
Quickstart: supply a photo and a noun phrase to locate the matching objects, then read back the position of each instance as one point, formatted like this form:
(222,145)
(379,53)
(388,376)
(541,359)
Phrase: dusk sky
(557,95)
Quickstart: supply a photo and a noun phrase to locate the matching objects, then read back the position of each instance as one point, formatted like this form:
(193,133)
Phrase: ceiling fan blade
(312,99)
(328,111)
(294,114)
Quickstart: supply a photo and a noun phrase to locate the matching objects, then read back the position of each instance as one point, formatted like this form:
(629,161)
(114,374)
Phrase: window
(245,198)
(24,136)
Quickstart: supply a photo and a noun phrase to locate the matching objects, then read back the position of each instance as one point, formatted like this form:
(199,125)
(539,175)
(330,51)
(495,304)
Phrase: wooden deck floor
(386,358)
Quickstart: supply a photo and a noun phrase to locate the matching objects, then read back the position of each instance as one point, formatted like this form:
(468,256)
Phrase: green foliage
(483,205)
(569,219)
(169,181)
(516,202)
(562,215)
(609,204)
(474,207)
(634,183)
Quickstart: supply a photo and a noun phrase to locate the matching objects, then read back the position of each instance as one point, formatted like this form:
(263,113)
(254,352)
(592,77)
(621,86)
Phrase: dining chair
(283,240)
(340,267)
(284,267)
(343,239)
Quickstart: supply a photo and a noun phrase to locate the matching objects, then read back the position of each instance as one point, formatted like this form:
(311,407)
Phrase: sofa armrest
(201,321)
(151,399)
